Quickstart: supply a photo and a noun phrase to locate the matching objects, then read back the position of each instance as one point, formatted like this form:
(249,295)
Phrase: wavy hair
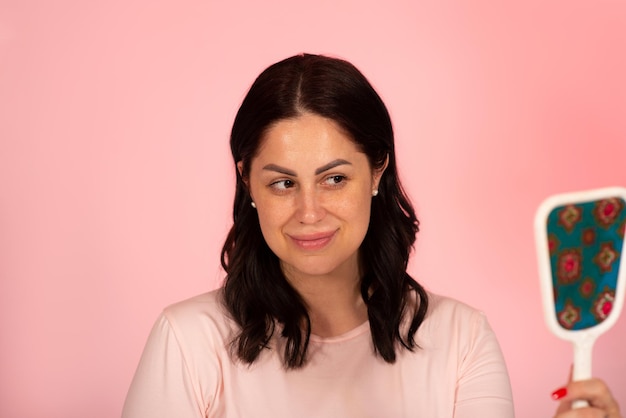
(256,292)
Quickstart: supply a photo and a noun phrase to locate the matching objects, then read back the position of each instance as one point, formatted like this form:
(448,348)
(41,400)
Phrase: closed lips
(313,241)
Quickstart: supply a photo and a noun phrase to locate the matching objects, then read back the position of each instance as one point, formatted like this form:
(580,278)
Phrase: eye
(335,180)
(282,184)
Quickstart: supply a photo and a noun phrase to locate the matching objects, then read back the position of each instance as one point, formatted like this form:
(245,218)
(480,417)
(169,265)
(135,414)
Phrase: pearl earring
(375,192)
(253,204)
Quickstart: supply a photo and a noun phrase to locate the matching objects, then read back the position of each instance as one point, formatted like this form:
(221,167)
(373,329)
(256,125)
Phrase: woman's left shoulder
(449,317)
(447,307)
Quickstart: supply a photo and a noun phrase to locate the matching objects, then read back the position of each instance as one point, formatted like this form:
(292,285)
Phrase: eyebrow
(320,170)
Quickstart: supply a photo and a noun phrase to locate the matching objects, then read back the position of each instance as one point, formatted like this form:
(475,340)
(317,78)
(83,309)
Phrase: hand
(595,392)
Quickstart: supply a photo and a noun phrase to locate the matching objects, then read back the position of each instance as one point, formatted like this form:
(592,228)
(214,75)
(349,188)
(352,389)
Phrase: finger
(582,413)
(563,407)
(559,393)
(594,391)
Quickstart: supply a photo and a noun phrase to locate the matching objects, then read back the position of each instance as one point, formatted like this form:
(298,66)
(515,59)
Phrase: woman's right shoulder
(209,303)
(204,315)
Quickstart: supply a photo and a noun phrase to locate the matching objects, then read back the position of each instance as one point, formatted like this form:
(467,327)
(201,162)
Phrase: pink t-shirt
(187,370)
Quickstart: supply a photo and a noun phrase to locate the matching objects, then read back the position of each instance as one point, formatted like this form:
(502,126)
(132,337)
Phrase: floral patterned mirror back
(585,242)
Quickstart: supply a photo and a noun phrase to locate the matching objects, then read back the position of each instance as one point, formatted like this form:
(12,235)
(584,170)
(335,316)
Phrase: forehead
(307,135)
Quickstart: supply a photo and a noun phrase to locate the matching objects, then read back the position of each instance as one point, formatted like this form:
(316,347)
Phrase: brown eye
(335,180)
(282,184)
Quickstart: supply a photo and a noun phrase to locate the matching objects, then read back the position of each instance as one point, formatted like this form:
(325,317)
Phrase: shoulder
(446,308)
(200,320)
(461,334)
(207,304)
(181,366)
(453,321)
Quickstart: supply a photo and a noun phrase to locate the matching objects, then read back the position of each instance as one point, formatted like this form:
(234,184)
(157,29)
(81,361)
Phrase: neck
(333,301)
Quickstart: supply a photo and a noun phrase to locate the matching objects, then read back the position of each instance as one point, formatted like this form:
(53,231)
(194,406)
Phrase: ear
(244,178)
(240,170)
(378,173)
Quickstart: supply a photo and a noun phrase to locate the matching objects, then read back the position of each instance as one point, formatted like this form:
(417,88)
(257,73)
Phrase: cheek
(272,218)
(364,213)
(355,210)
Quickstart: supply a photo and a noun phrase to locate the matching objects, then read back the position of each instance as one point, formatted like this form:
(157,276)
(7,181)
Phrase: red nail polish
(559,393)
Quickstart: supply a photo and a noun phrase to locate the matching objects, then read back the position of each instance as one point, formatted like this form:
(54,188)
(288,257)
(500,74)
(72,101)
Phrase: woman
(318,316)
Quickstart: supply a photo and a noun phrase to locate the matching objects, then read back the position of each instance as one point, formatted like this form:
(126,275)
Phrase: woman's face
(312,188)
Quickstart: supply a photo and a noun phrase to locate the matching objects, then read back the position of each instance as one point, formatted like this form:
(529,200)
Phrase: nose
(310,208)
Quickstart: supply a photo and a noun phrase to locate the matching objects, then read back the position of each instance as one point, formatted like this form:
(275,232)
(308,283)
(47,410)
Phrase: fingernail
(559,393)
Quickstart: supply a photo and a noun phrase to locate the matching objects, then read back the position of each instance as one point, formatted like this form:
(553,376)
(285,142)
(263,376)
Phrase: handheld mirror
(579,239)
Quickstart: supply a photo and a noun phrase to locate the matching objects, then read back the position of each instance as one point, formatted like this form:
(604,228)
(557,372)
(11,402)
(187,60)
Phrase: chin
(312,270)
(312,267)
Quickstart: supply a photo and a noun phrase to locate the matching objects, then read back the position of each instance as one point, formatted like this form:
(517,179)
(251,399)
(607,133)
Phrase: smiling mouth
(313,242)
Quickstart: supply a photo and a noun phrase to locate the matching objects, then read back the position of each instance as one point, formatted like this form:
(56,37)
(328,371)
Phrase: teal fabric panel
(585,242)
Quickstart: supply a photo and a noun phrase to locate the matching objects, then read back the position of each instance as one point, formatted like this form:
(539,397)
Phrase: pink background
(116,180)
